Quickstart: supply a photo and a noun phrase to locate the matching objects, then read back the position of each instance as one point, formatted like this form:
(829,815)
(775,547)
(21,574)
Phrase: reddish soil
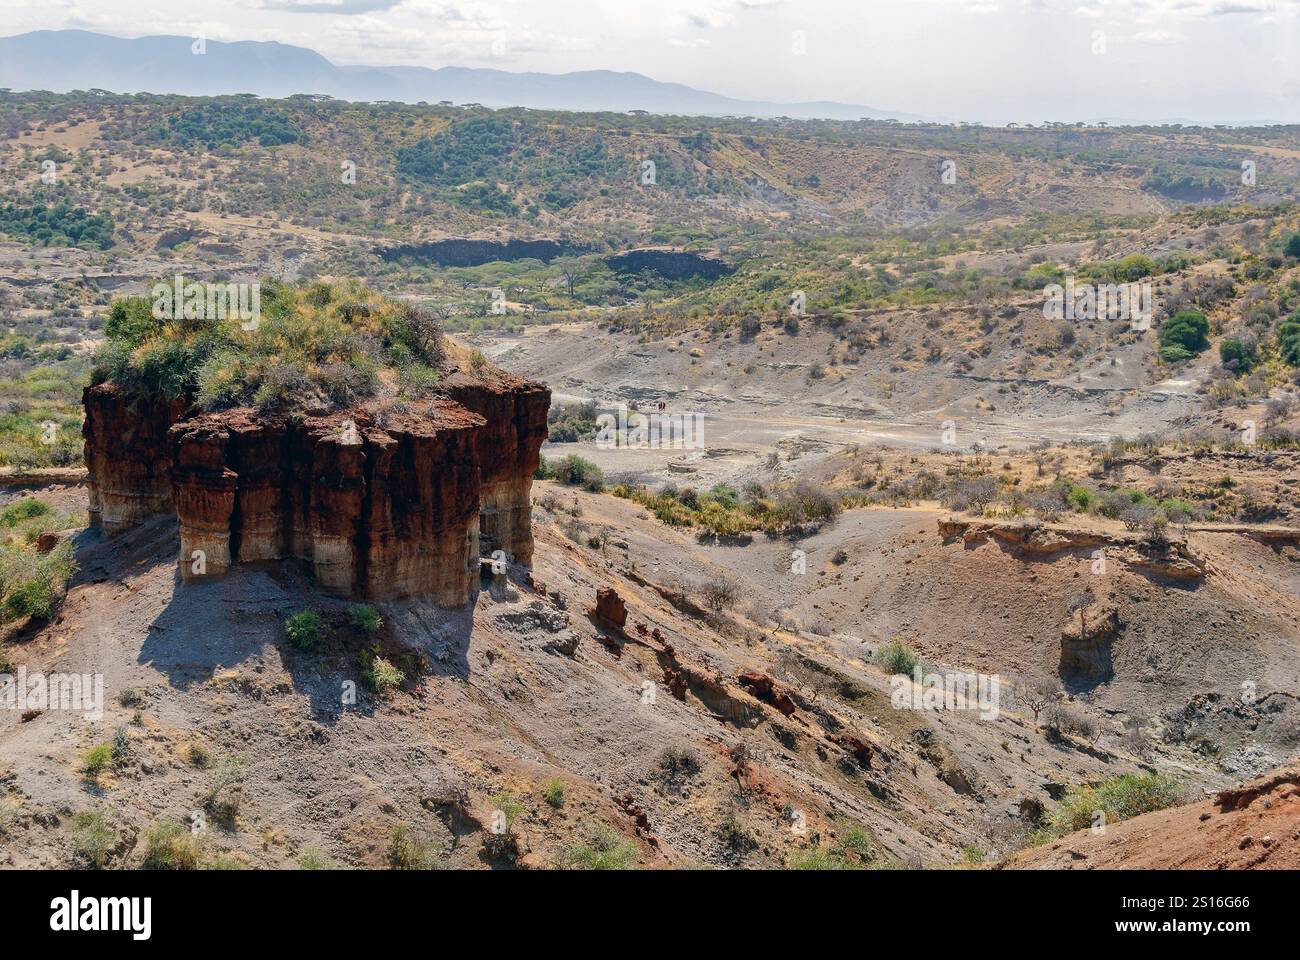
(1251,827)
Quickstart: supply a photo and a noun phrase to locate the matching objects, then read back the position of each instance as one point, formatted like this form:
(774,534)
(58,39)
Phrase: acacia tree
(1081,603)
(423,332)
(1037,695)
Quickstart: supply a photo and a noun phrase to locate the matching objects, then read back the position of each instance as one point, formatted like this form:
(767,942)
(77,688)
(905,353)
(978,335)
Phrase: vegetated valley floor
(759,735)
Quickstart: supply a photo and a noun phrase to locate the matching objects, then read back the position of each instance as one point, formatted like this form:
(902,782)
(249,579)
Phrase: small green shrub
(604,849)
(819,859)
(571,423)
(1238,355)
(576,471)
(510,807)
(223,797)
(734,835)
(170,846)
(896,657)
(384,677)
(1080,498)
(857,842)
(32,584)
(93,838)
(98,759)
(10,808)
(20,510)
(553,793)
(406,851)
(365,618)
(313,858)
(854,850)
(121,746)
(1183,335)
(678,763)
(1119,798)
(304,630)
(225,861)
(1288,339)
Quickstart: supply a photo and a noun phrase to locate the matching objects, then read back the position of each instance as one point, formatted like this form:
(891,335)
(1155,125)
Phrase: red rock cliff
(380,506)
(127,465)
(375,511)
(509,450)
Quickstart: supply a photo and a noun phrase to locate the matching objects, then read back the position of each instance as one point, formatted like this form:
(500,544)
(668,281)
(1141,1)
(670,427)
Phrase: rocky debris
(50,539)
(1030,810)
(860,750)
(382,506)
(1176,563)
(566,643)
(952,773)
(1027,537)
(675,682)
(765,688)
(674,679)
(542,625)
(41,476)
(945,762)
(628,805)
(726,705)
(676,597)
(609,611)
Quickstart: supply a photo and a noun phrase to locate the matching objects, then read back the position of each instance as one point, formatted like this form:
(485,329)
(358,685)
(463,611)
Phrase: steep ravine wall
(376,508)
(508,451)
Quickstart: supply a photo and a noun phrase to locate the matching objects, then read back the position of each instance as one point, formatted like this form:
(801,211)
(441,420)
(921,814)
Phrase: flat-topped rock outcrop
(378,504)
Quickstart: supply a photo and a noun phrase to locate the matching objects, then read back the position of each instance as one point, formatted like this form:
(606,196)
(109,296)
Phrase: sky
(989,61)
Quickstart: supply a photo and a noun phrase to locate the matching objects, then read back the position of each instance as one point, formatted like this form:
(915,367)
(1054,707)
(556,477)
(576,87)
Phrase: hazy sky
(987,60)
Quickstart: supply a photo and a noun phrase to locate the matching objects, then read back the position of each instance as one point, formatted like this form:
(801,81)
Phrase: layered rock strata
(378,506)
(128,471)
(508,451)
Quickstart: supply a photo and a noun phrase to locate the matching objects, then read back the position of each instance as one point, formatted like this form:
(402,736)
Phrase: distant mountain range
(63,60)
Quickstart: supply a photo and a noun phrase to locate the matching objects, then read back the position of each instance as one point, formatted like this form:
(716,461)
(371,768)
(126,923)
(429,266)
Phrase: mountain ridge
(65,60)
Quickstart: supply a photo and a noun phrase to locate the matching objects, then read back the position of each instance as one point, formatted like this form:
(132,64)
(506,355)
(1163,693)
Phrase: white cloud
(1152,11)
(969,6)
(708,18)
(336,7)
(963,59)
(719,13)
(1161,37)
